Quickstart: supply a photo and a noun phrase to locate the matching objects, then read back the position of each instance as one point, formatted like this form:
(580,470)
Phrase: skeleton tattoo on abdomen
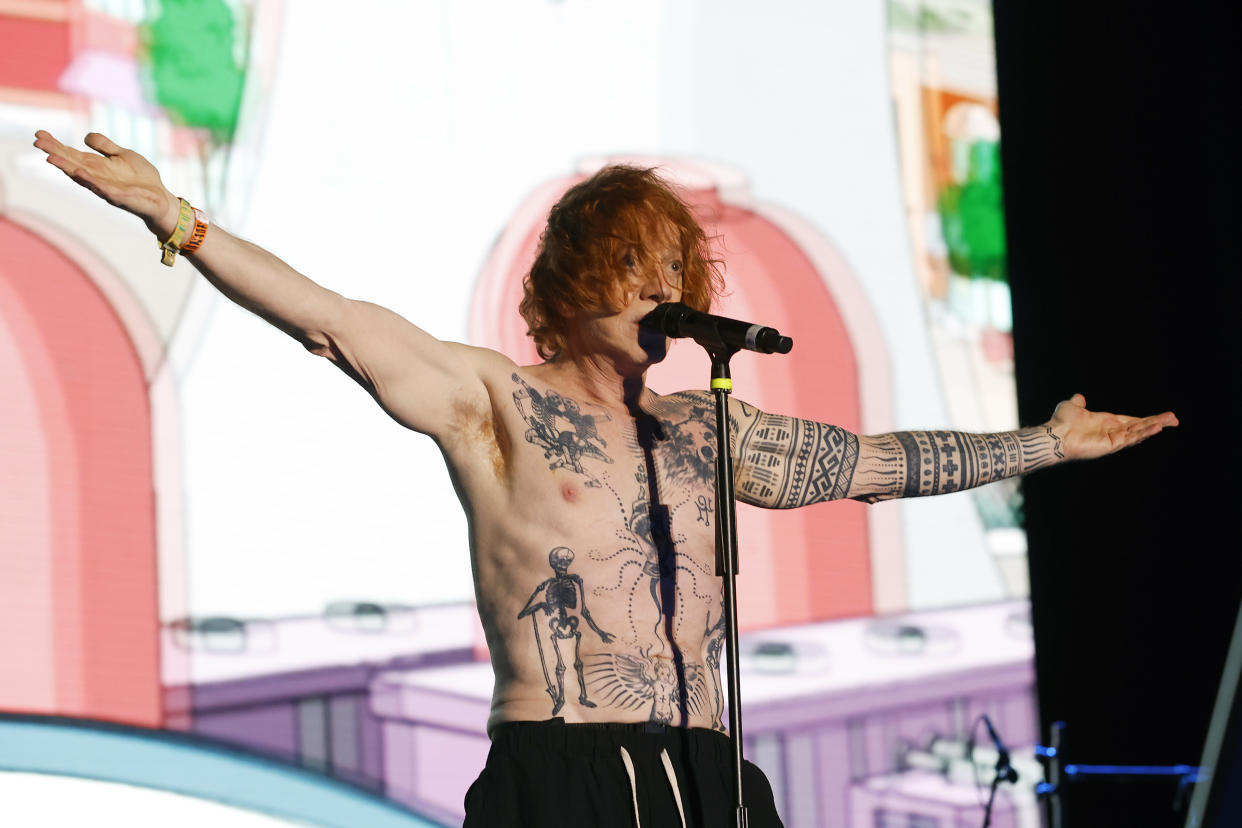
(560,599)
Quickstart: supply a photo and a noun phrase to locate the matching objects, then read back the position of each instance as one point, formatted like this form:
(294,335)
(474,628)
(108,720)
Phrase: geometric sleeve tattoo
(785,462)
(921,463)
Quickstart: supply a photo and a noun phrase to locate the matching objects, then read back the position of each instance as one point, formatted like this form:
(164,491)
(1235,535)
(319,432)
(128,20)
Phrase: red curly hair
(581,264)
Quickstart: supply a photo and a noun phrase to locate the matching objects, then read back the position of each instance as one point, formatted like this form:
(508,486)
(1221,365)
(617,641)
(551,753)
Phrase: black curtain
(1120,161)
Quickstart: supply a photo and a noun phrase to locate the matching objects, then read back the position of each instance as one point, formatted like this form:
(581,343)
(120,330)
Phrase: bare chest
(606,552)
(646,474)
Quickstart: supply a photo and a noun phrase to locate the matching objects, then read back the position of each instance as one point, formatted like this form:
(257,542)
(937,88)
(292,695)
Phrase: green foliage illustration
(972,218)
(195,53)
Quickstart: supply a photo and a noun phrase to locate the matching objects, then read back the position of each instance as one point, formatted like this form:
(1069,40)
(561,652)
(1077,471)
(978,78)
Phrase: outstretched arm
(784,462)
(418,379)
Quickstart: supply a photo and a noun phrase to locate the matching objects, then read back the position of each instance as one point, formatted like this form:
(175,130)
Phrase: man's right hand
(119,176)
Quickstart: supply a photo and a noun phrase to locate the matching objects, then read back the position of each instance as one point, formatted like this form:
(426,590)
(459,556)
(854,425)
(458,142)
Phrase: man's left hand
(1086,434)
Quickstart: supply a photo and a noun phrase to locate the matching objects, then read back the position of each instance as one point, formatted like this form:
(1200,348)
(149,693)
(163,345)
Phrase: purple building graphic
(858,722)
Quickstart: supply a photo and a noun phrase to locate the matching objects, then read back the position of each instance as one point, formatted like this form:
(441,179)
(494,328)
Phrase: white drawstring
(629,769)
(672,781)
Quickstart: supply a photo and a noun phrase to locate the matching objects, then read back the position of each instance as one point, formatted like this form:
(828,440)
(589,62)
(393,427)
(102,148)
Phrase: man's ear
(566,312)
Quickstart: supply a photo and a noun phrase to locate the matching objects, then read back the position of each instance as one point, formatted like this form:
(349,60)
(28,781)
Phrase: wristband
(198,234)
(185,220)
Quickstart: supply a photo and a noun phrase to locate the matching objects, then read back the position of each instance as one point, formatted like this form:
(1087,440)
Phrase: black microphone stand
(712,333)
(726,558)
(1004,770)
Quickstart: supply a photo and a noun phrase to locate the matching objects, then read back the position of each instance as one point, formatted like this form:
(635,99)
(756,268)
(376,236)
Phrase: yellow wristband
(722,382)
(185,220)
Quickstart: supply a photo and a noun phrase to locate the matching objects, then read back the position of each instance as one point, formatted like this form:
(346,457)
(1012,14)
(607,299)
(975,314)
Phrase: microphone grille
(667,318)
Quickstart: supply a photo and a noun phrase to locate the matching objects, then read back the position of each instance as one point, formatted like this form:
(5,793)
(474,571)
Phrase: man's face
(651,277)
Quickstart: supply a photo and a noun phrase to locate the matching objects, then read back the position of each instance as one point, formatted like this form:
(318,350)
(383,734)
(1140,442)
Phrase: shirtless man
(583,486)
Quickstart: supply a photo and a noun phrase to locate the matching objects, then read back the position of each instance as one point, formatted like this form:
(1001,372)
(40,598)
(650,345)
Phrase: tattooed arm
(785,462)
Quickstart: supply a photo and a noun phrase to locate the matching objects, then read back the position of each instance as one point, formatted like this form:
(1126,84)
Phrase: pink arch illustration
(827,561)
(79,620)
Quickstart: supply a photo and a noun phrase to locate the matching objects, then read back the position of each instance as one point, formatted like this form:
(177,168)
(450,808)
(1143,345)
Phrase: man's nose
(657,288)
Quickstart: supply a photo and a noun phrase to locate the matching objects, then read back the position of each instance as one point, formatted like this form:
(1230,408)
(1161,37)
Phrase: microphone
(1004,770)
(677,320)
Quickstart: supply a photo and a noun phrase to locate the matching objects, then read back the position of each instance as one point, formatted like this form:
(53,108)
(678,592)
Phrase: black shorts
(550,774)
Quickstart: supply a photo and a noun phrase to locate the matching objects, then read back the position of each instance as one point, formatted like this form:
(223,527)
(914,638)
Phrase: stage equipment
(1218,801)
(1061,774)
(722,338)
(1004,770)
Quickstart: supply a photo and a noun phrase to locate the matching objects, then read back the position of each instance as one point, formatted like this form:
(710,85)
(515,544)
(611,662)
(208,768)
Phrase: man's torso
(592,541)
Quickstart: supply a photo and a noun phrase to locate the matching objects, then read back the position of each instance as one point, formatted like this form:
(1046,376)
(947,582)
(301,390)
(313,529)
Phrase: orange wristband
(198,234)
